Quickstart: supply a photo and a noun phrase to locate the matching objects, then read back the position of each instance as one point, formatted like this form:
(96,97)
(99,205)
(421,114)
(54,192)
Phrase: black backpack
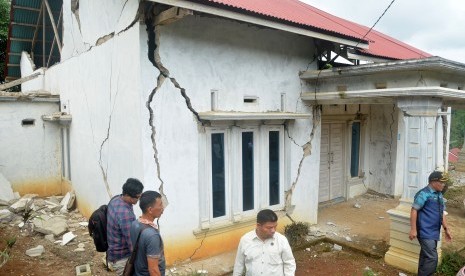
(98,228)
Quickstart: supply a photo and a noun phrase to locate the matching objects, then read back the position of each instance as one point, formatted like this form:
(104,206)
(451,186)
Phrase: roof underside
(26,34)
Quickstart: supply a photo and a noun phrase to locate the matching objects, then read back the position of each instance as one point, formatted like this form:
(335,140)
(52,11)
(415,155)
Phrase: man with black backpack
(120,215)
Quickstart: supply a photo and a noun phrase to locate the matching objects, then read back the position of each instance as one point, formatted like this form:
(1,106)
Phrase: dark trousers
(428,257)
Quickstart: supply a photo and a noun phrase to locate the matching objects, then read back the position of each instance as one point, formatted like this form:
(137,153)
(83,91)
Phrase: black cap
(438,176)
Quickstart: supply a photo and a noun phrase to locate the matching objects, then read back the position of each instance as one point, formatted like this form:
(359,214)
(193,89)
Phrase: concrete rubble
(51,218)
(7,192)
(36,251)
(55,225)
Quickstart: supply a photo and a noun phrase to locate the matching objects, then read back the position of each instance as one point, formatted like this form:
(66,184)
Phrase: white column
(419,130)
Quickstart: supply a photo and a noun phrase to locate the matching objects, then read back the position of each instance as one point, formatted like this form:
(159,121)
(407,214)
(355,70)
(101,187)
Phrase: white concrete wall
(30,156)
(92,21)
(383,147)
(237,60)
(101,90)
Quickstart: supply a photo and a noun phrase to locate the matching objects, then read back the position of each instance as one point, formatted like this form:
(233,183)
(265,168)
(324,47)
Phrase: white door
(331,166)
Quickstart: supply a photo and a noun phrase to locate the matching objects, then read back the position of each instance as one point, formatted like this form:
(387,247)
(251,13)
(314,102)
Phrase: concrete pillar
(418,129)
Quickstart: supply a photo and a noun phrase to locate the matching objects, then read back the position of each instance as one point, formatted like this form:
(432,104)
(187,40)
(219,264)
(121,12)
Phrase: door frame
(344,138)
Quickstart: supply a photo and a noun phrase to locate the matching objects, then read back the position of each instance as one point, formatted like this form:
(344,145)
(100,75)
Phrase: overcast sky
(436,27)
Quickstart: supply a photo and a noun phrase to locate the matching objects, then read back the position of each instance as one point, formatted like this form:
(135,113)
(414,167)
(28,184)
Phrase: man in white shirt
(263,251)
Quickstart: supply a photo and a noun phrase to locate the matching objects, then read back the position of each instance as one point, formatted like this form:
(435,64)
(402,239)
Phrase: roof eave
(431,64)
(345,40)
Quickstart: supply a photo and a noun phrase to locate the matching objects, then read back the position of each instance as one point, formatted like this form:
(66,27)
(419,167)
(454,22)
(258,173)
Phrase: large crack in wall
(153,32)
(306,151)
(102,40)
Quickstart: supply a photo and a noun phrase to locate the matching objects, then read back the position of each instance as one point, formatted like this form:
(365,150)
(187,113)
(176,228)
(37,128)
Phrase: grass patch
(451,263)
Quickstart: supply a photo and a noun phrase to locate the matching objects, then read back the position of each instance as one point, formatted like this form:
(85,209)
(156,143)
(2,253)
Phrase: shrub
(296,233)
(451,263)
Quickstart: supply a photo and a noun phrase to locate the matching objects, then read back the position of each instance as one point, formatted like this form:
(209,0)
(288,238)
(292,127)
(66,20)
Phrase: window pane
(247,171)
(274,167)
(218,175)
(355,150)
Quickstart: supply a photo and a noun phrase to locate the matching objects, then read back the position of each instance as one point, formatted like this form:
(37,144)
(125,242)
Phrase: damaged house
(225,107)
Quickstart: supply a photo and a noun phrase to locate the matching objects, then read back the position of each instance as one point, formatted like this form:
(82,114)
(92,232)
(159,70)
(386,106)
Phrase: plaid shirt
(120,215)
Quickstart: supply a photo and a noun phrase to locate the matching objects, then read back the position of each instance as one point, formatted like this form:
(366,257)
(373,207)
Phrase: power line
(381,16)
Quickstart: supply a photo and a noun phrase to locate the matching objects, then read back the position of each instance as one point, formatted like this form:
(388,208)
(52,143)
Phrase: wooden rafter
(55,30)
(25,8)
(19,81)
(37,29)
(54,39)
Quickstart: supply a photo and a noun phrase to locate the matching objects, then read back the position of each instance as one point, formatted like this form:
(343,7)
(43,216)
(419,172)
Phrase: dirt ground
(360,224)
(321,259)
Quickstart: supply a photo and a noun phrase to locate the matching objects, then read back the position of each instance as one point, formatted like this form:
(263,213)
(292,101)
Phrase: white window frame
(265,200)
(257,171)
(233,173)
(227,174)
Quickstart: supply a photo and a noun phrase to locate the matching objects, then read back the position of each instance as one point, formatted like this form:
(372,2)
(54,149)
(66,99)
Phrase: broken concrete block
(51,225)
(4,202)
(52,200)
(36,251)
(30,196)
(348,239)
(331,224)
(19,205)
(83,270)
(5,186)
(67,238)
(39,202)
(358,206)
(6,215)
(337,247)
(68,201)
(50,238)
(84,223)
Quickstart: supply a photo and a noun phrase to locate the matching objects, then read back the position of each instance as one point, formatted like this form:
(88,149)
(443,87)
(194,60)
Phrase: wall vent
(28,122)
(250,99)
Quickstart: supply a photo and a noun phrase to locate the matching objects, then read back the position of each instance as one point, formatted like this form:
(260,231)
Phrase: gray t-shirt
(150,246)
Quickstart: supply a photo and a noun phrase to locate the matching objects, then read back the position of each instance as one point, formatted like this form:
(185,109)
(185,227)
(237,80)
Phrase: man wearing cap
(426,218)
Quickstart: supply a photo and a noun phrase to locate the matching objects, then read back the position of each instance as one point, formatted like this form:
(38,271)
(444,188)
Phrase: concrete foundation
(403,253)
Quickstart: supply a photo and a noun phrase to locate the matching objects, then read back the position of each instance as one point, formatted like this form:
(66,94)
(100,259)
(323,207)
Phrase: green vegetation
(369,272)
(5,254)
(4,22)
(451,263)
(296,233)
(457,128)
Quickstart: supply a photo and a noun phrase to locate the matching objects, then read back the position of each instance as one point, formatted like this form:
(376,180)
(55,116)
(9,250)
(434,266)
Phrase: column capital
(421,107)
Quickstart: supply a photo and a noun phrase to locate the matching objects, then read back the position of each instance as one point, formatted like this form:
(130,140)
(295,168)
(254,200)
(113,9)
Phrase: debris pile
(53,218)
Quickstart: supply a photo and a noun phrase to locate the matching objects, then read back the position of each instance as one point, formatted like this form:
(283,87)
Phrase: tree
(457,128)
(4,23)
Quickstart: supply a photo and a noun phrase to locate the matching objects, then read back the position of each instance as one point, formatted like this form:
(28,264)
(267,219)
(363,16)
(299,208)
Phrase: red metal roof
(454,155)
(296,12)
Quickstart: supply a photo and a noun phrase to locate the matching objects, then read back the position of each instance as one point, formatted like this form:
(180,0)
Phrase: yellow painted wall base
(403,253)
(42,187)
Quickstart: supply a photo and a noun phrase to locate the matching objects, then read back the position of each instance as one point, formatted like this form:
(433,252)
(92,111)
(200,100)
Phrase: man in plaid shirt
(120,215)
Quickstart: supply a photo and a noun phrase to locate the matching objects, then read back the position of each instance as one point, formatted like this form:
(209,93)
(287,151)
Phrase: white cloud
(430,25)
